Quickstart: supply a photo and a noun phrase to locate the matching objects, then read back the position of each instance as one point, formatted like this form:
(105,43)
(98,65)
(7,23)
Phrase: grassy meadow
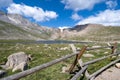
(42,53)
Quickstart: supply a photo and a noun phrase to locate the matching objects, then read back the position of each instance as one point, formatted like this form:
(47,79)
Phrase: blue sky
(65,13)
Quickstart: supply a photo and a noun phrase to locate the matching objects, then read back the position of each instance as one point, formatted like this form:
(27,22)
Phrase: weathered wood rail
(97,72)
(78,56)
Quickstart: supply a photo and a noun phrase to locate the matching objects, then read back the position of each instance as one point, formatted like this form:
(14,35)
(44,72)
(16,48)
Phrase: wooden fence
(78,59)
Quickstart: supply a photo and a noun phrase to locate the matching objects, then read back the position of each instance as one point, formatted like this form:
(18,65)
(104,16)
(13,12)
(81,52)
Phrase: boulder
(119,55)
(117,65)
(18,61)
(96,46)
(65,69)
(106,52)
(2,73)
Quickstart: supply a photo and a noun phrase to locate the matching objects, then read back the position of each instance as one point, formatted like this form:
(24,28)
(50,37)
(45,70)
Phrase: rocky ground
(112,73)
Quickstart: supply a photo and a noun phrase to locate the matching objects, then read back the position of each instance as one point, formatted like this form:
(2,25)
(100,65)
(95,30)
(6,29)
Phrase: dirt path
(112,73)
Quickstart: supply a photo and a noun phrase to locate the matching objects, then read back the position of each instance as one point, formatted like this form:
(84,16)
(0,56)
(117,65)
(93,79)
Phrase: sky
(65,13)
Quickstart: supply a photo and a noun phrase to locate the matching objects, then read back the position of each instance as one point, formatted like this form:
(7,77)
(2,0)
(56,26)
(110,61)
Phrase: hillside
(14,26)
(9,31)
(92,32)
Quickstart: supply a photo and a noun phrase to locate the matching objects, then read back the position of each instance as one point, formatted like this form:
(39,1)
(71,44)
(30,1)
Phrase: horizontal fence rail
(98,48)
(45,65)
(79,73)
(99,59)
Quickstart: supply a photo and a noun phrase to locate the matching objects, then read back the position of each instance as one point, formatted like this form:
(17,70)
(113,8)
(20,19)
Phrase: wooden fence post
(79,60)
(114,48)
(78,56)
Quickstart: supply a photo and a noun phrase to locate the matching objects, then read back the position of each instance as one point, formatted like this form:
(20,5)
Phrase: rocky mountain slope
(13,22)
(14,26)
(92,32)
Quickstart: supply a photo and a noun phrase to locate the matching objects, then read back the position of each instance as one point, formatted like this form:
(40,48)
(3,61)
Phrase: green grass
(42,53)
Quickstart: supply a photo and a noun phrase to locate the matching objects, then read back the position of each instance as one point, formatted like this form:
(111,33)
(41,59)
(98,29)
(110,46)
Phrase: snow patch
(14,20)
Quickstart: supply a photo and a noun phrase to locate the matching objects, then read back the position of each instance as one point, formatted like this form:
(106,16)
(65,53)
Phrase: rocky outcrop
(15,26)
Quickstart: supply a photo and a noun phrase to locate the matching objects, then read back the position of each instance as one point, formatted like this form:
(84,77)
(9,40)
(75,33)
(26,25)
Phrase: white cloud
(37,13)
(107,17)
(5,3)
(64,27)
(76,17)
(77,5)
(111,4)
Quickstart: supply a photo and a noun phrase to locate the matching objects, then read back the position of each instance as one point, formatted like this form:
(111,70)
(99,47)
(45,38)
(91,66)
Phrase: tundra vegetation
(42,53)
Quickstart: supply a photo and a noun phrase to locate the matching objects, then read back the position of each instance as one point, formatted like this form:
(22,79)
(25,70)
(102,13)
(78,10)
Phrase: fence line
(37,68)
(85,65)
(45,65)
(99,59)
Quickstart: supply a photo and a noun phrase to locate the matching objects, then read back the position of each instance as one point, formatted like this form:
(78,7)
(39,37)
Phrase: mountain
(17,27)
(92,32)
(14,26)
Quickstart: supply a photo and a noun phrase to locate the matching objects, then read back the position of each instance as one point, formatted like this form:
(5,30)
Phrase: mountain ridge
(32,31)
(92,32)
(39,32)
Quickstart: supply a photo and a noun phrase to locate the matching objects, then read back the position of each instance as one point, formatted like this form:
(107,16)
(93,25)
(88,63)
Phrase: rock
(2,73)
(105,52)
(108,44)
(37,46)
(28,48)
(45,45)
(88,55)
(78,48)
(65,69)
(18,61)
(117,65)
(119,55)
(64,48)
(96,46)
(113,57)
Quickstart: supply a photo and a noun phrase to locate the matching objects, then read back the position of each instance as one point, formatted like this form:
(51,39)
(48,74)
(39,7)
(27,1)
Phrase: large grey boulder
(17,61)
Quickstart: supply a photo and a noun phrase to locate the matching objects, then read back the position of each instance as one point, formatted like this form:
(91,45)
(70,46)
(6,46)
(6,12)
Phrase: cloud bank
(78,5)
(107,17)
(36,13)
